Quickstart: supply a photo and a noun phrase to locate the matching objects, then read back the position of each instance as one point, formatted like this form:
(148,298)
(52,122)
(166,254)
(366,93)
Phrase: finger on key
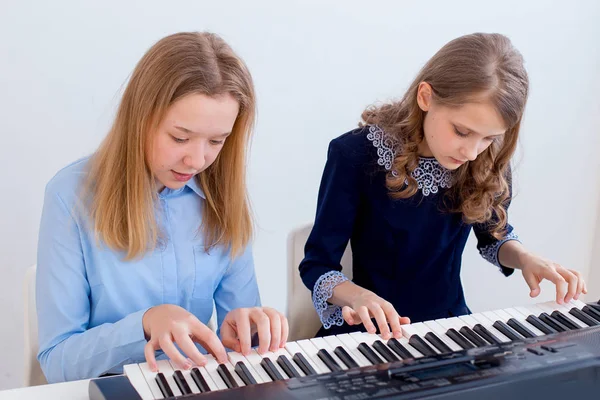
(209,340)
(365,317)
(285,331)
(275,326)
(571,279)
(264,330)
(381,319)
(394,319)
(166,344)
(149,351)
(561,286)
(188,347)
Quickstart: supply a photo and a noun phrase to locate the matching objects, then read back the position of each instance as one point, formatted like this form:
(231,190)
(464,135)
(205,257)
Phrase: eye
(459,133)
(179,140)
(217,142)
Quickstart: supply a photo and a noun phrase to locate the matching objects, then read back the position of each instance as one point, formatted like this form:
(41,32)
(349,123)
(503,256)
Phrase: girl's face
(190,137)
(457,135)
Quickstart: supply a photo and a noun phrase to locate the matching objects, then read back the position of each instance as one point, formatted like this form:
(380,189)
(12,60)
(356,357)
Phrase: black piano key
(181,382)
(328,360)
(287,367)
(519,327)
(369,354)
(226,376)
(244,373)
(553,323)
(563,319)
(437,343)
(591,312)
(304,365)
(583,317)
(459,339)
(199,380)
(595,306)
(472,336)
(541,325)
(507,331)
(486,334)
(399,349)
(164,385)
(418,343)
(271,370)
(345,357)
(384,351)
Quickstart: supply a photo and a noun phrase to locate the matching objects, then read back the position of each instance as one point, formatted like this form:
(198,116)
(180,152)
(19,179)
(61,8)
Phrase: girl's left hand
(240,325)
(569,283)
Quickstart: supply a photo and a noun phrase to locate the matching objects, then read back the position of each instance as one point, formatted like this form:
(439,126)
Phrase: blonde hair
(472,68)
(120,190)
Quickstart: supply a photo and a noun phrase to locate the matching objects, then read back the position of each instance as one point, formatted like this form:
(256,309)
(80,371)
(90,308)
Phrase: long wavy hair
(472,68)
(120,188)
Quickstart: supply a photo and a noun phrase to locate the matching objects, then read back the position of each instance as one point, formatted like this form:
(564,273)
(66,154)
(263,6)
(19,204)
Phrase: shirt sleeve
(238,287)
(68,350)
(337,204)
(487,244)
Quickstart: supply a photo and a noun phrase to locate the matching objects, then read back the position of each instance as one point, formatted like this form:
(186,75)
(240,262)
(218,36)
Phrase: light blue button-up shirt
(90,302)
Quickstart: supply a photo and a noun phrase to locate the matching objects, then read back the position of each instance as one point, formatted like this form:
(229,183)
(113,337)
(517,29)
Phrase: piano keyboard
(358,349)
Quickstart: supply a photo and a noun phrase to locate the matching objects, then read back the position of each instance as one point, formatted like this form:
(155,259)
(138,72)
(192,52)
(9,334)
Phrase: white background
(316,65)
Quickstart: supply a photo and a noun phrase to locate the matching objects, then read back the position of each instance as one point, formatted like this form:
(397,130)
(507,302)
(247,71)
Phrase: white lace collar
(430,174)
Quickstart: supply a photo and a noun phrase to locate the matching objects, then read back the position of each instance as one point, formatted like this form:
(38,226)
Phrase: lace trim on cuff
(490,252)
(329,314)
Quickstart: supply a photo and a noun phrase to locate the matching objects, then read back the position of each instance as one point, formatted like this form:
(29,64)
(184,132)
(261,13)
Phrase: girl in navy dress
(410,183)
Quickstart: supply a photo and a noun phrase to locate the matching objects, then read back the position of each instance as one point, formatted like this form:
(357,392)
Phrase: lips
(182,177)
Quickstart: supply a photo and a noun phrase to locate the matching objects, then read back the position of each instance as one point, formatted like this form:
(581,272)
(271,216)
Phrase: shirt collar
(195,186)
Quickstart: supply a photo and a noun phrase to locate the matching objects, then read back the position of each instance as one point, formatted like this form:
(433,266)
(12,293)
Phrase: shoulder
(366,145)
(66,184)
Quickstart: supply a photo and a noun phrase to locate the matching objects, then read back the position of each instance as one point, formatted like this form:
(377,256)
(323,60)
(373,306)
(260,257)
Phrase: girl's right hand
(366,305)
(168,324)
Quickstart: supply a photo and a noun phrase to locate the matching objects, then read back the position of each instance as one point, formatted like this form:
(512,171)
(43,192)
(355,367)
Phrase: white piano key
(236,377)
(254,359)
(322,344)
(211,369)
(293,348)
(188,378)
(209,380)
(334,342)
(151,380)
(274,355)
(404,342)
(352,348)
(235,357)
(165,367)
(440,332)
(564,308)
(409,329)
(516,314)
(578,303)
(486,322)
(138,381)
(421,330)
(311,351)
(369,339)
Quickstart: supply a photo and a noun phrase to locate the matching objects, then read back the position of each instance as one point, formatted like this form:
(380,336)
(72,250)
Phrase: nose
(196,158)
(470,151)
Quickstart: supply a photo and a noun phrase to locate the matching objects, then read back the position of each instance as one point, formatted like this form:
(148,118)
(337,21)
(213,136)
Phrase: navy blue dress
(406,251)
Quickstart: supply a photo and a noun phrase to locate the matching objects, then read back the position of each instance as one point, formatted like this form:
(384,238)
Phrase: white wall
(316,66)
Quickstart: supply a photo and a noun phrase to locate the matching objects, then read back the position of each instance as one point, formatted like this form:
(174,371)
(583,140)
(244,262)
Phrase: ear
(424,94)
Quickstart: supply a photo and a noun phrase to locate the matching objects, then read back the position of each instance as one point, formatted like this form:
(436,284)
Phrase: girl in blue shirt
(138,242)
(407,187)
